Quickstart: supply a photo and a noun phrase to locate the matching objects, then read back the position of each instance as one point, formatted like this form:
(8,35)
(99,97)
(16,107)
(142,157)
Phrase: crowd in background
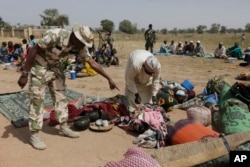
(197,50)
(16,53)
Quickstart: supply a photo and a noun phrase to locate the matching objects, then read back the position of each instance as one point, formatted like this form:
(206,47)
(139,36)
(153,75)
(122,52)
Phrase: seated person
(164,47)
(184,46)
(103,54)
(3,52)
(179,49)
(235,51)
(220,51)
(189,49)
(113,60)
(172,47)
(198,50)
(247,55)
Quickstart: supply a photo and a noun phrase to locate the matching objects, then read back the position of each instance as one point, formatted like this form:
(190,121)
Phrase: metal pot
(93,114)
(81,122)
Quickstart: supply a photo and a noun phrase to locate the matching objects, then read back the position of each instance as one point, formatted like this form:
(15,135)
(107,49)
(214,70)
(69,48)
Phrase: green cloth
(235,52)
(234,113)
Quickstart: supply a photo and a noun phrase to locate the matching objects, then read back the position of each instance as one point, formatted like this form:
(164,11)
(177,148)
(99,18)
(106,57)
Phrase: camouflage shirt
(56,49)
(150,36)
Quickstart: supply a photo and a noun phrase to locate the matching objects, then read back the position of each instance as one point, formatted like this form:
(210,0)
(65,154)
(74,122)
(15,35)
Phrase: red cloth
(72,110)
(113,109)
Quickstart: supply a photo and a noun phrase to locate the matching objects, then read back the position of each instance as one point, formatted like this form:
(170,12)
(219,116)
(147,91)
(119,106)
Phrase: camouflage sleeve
(84,55)
(48,40)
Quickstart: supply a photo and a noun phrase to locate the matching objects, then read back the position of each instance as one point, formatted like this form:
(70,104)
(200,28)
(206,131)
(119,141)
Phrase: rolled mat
(194,153)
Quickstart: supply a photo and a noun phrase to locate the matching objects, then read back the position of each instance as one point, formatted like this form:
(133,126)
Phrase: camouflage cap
(83,34)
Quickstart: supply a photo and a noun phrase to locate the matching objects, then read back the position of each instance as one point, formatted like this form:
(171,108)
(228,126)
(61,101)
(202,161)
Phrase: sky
(161,14)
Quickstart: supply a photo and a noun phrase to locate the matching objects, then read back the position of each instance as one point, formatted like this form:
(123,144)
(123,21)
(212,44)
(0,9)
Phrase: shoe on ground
(68,133)
(36,141)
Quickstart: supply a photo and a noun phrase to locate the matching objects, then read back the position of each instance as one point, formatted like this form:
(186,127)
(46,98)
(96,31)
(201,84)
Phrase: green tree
(191,30)
(223,29)
(62,20)
(164,31)
(247,27)
(51,17)
(127,27)
(201,29)
(107,25)
(1,22)
(4,24)
(215,28)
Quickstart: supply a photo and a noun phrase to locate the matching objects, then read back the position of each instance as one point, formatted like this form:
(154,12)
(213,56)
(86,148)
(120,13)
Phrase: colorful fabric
(109,110)
(199,114)
(234,115)
(165,98)
(185,131)
(88,69)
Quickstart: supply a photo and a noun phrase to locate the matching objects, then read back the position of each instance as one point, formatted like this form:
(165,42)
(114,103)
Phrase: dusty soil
(94,149)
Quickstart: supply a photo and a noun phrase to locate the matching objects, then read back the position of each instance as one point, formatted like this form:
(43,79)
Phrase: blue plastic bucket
(187,85)
(212,98)
(72,75)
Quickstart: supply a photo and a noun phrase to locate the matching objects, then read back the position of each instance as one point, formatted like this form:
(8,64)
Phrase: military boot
(66,131)
(36,141)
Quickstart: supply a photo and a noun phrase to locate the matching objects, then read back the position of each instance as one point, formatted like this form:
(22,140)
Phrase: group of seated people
(15,53)
(189,49)
(106,55)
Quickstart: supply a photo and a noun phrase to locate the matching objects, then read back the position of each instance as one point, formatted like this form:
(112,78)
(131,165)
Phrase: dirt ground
(94,149)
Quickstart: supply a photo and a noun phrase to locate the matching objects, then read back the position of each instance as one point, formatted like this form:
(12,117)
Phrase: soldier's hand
(112,85)
(22,81)
(137,98)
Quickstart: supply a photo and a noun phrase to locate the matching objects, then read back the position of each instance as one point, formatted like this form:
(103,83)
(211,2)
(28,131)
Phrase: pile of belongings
(223,106)
(172,93)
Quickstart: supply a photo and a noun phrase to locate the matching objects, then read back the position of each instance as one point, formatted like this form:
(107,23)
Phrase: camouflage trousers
(149,46)
(41,79)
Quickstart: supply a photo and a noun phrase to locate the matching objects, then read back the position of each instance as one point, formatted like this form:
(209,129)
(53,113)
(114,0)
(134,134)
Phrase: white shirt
(136,75)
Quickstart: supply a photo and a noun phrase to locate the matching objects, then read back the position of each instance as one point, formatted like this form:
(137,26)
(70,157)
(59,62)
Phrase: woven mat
(14,106)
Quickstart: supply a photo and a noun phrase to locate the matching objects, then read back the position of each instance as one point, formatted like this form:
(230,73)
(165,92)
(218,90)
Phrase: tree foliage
(4,24)
(215,28)
(201,29)
(127,27)
(164,31)
(223,29)
(107,25)
(51,17)
(247,27)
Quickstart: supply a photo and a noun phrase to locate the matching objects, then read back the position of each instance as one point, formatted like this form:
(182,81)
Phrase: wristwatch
(25,73)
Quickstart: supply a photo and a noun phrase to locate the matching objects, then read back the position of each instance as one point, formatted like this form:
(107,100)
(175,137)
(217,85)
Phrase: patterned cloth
(134,157)
(14,106)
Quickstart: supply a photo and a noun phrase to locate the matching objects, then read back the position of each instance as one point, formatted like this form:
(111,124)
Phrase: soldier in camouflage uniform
(45,63)
(149,36)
